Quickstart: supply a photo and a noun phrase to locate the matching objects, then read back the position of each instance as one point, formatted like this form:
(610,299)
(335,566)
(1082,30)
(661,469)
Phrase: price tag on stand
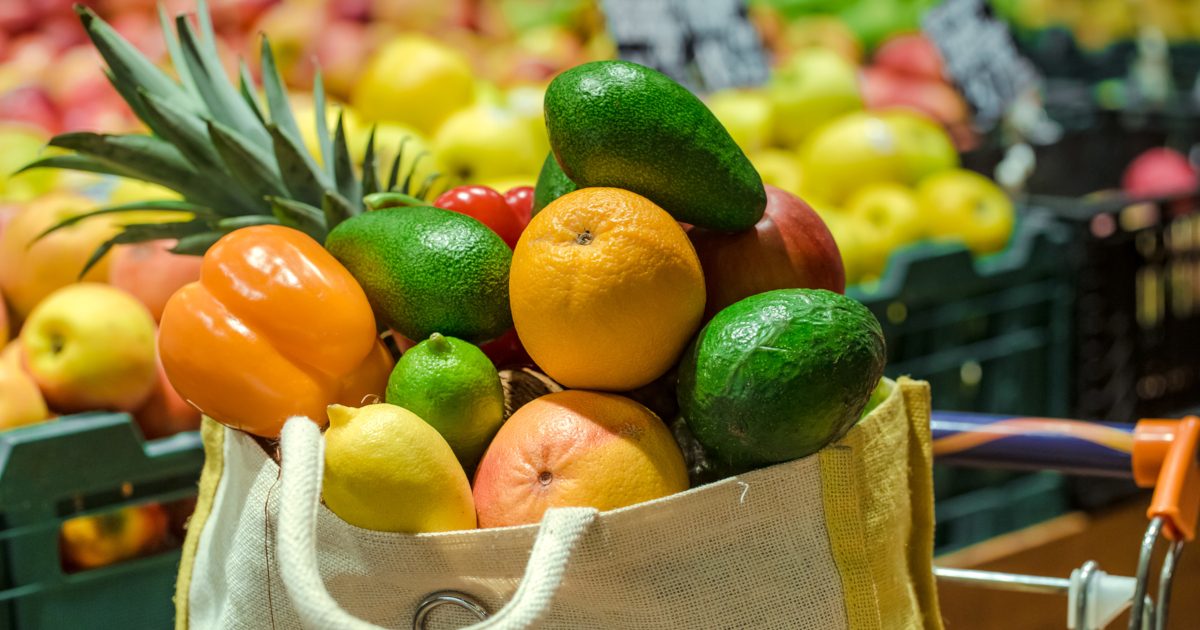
(703,44)
(980,56)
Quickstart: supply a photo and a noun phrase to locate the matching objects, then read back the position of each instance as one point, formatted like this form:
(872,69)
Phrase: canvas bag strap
(303,457)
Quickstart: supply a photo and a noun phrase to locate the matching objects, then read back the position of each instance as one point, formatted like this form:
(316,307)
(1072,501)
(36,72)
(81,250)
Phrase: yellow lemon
(387,470)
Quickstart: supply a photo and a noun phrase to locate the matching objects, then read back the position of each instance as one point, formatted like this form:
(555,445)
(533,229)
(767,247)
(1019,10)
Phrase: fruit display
(311,258)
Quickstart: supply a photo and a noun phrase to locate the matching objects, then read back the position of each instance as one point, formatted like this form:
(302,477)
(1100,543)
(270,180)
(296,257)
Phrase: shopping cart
(1155,453)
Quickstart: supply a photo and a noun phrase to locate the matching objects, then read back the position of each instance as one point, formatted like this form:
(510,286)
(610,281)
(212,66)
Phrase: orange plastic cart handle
(1164,456)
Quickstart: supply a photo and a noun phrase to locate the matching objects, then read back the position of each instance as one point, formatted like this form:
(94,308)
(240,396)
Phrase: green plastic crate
(78,466)
(991,335)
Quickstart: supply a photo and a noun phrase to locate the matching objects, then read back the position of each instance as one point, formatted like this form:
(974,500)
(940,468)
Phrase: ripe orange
(606,290)
(576,449)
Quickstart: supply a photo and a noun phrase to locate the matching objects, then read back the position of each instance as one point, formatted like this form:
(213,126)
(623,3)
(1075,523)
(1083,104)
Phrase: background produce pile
(857,119)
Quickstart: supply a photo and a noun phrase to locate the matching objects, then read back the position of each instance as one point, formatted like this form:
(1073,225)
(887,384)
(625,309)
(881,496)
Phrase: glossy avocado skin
(552,183)
(619,124)
(780,375)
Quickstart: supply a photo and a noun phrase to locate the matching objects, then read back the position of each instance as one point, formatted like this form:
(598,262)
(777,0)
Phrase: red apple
(883,88)
(789,248)
(1158,173)
(165,412)
(912,55)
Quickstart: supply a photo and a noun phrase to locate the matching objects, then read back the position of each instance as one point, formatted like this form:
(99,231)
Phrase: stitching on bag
(267,544)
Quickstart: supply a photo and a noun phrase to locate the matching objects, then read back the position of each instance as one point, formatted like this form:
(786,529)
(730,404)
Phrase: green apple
(815,86)
(91,346)
(484,142)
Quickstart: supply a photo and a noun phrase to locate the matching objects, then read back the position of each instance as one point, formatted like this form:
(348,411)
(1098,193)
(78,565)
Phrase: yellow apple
(24,144)
(28,273)
(891,208)
(850,243)
(964,204)
(526,102)
(416,81)
(815,86)
(20,401)
(748,116)
(866,147)
(484,142)
(91,346)
(778,168)
(11,355)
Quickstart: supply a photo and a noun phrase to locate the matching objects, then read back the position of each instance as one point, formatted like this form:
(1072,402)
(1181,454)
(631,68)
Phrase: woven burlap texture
(820,543)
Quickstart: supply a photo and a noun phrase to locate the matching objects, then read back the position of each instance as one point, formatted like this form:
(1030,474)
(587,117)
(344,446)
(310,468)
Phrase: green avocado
(428,270)
(619,124)
(780,375)
(552,183)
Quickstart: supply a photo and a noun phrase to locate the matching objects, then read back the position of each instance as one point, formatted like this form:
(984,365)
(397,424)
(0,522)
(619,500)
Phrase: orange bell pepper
(276,327)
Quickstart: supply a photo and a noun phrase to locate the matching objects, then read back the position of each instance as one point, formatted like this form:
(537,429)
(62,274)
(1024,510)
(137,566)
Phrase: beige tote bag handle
(303,456)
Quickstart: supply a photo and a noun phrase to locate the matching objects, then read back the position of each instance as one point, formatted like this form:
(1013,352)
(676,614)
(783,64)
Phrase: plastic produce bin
(77,466)
(990,334)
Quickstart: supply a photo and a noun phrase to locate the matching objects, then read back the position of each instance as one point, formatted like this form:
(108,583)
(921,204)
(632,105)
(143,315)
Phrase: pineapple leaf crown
(234,162)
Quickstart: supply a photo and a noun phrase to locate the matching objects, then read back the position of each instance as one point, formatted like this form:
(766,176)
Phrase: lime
(454,387)
(779,375)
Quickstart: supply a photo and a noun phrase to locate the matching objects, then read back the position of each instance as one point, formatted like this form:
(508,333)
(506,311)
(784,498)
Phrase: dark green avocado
(552,183)
(428,270)
(619,124)
(780,375)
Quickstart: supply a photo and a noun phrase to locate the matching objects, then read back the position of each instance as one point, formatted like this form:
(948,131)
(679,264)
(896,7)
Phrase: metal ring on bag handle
(446,597)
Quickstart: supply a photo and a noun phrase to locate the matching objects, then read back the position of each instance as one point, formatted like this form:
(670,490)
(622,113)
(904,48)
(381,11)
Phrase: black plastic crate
(1137,314)
(989,334)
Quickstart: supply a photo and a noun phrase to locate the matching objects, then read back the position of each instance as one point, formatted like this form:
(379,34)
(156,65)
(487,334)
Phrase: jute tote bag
(841,540)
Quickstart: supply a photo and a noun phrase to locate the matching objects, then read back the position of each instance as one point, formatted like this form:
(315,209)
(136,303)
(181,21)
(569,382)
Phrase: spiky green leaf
(412,170)
(186,131)
(394,176)
(177,60)
(131,67)
(370,172)
(246,87)
(347,182)
(278,106)
(252,168)
(224,101)
(196,244)
(142,232)
(336,208)
(131,97)
(206,26)
(76,162)
(427,185)
(151,159)
(300,216)
(168,205)
(304,179)
(250,220)
(324,140)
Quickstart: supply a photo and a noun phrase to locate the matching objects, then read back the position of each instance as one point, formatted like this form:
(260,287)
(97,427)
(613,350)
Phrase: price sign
(703,44)
(980,55)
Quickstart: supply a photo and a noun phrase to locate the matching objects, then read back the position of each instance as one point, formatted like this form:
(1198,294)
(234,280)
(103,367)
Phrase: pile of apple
(71,347)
